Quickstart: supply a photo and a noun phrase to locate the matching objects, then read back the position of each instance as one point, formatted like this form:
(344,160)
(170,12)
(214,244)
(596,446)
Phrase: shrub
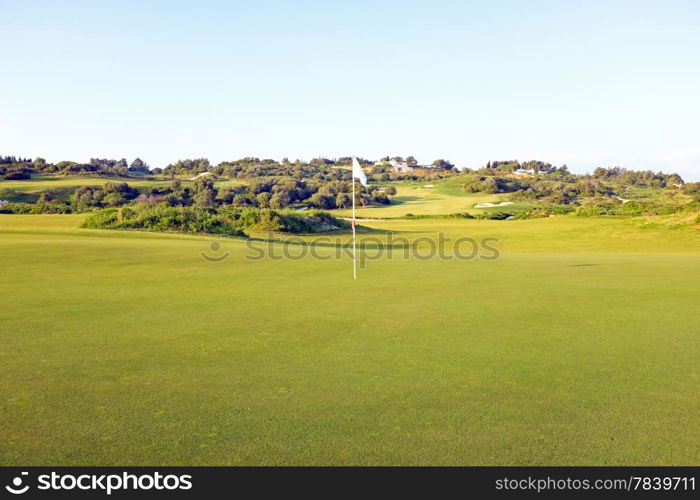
(35,208)
(544,211)
(17,175)
(228,220)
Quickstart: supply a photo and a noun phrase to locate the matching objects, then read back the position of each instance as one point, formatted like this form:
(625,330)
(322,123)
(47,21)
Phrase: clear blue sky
(579,82)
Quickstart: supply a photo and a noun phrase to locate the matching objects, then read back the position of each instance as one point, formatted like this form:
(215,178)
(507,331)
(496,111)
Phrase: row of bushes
(532,213)
(592,209)
(227,221)
(35,208)
(607,207)
(632,208)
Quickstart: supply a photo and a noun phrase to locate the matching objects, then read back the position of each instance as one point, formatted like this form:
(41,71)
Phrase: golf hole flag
(357,172)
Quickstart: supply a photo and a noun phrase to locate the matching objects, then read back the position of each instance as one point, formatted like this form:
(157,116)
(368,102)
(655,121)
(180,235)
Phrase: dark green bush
(17,175)
(228,220)
(544,211)
(35,208)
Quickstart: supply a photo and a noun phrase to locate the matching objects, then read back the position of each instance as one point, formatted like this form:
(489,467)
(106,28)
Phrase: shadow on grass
(372,230)
(400,200)
(332,244)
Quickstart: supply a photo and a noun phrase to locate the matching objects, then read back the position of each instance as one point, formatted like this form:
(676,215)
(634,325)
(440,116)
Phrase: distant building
(402,169)
(397,166)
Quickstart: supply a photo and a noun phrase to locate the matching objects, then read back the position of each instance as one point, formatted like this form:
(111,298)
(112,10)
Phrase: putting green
(579,345)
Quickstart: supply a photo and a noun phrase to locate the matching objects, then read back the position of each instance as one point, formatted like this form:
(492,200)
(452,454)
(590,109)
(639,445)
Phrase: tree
(114,199)
(225,195)
(263,199)
(17,175)
(280,200)
(379,197)
(240,200)
(320,201)
(85,197)
(411,161)
(139,166)
(204,192)
(675,180)
(390,191)
(443,164)
(321,162)
(343,200)
(692,189)
(600,172)
(175,186)
(187,167)
(205,198)
(490,185)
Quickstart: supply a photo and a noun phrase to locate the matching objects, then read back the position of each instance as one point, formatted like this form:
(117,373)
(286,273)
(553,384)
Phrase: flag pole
(354,256)
(357,173)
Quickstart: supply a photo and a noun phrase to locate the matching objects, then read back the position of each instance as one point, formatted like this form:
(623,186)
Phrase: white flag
(357,172)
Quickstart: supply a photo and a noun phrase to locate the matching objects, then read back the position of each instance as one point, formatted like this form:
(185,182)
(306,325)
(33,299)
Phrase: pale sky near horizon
(583,83)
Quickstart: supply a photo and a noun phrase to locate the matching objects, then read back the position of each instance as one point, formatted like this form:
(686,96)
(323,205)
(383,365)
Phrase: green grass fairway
(579,346)
(42,183)
(417,199)
(62,187)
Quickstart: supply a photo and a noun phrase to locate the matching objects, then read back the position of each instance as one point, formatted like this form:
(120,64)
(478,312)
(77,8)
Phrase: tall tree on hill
(138,165)
(204,192)
(443,164)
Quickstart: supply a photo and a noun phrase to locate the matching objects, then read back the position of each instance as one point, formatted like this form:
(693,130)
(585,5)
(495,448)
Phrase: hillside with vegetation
(501,190)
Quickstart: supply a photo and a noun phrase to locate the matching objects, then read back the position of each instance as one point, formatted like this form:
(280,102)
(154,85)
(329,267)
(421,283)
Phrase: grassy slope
(416,199)
(41,183)
(578,346)
(443,198)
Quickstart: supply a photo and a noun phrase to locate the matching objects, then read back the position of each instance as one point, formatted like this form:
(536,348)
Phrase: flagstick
(354,256)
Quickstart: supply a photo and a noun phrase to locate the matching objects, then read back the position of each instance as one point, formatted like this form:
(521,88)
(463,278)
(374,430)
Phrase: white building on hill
(398,167)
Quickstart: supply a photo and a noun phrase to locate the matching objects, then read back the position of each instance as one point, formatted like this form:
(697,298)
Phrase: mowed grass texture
(44,182)
(579,345)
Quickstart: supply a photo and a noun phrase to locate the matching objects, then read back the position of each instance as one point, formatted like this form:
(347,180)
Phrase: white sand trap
(488,205)
(428,186)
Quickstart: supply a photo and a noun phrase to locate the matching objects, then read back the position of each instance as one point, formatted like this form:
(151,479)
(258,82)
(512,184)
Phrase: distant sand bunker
(487,205)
